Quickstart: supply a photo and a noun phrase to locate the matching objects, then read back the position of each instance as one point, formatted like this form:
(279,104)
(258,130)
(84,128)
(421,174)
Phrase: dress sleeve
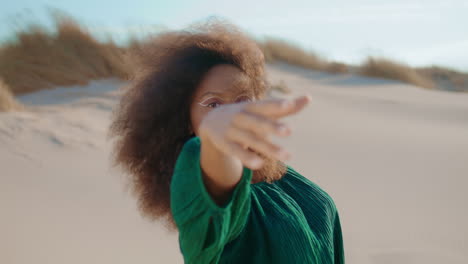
(338,241)
(204,226)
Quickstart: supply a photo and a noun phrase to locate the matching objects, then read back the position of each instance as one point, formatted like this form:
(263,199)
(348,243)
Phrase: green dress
(291,220)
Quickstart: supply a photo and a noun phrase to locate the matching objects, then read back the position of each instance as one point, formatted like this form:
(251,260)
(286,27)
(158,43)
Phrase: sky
(419,33)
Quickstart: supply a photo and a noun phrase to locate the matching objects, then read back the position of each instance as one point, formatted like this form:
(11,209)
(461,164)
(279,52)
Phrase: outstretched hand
(237,129)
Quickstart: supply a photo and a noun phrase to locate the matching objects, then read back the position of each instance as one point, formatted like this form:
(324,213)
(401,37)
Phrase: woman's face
(222,84)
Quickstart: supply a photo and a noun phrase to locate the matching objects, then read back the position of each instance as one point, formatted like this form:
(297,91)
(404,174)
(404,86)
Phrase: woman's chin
(271,170)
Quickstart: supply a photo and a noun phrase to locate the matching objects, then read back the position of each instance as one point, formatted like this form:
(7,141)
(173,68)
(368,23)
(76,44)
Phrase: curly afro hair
(152,121)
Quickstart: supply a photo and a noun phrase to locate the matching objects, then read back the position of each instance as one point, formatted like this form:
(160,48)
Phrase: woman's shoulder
(291,176)
(300,187)
(190,150)
(191,145)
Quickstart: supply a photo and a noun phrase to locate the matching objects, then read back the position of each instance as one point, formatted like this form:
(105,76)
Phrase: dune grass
(387,69)
(453,80)
(37,59)
(280,50)
(7,100)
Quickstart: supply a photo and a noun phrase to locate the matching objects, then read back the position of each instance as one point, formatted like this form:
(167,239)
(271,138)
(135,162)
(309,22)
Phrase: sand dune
(394,157)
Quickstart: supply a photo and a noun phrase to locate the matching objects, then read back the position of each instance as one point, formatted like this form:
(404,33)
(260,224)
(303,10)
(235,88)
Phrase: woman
(193,131)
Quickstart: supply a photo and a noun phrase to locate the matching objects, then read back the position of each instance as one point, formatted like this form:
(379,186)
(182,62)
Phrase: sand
(394,157)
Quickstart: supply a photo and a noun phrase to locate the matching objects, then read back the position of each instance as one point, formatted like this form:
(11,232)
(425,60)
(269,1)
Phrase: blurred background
(386,134)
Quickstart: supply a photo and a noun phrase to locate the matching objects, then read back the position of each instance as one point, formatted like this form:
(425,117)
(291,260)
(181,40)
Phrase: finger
(260,125)
(299,104)
(277,108)
(262,145)
(248,158)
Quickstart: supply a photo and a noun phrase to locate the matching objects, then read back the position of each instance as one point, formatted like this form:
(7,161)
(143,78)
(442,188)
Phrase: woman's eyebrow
(237,93)
(239,85)
(211,93)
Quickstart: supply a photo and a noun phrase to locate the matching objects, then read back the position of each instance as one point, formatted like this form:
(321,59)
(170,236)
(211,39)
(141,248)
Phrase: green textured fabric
(291,220)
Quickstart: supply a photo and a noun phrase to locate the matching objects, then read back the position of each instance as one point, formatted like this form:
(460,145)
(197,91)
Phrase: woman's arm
(205,227)
(227,168)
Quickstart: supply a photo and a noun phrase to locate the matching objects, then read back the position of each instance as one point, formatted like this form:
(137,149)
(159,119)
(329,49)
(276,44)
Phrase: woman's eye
(213,104)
